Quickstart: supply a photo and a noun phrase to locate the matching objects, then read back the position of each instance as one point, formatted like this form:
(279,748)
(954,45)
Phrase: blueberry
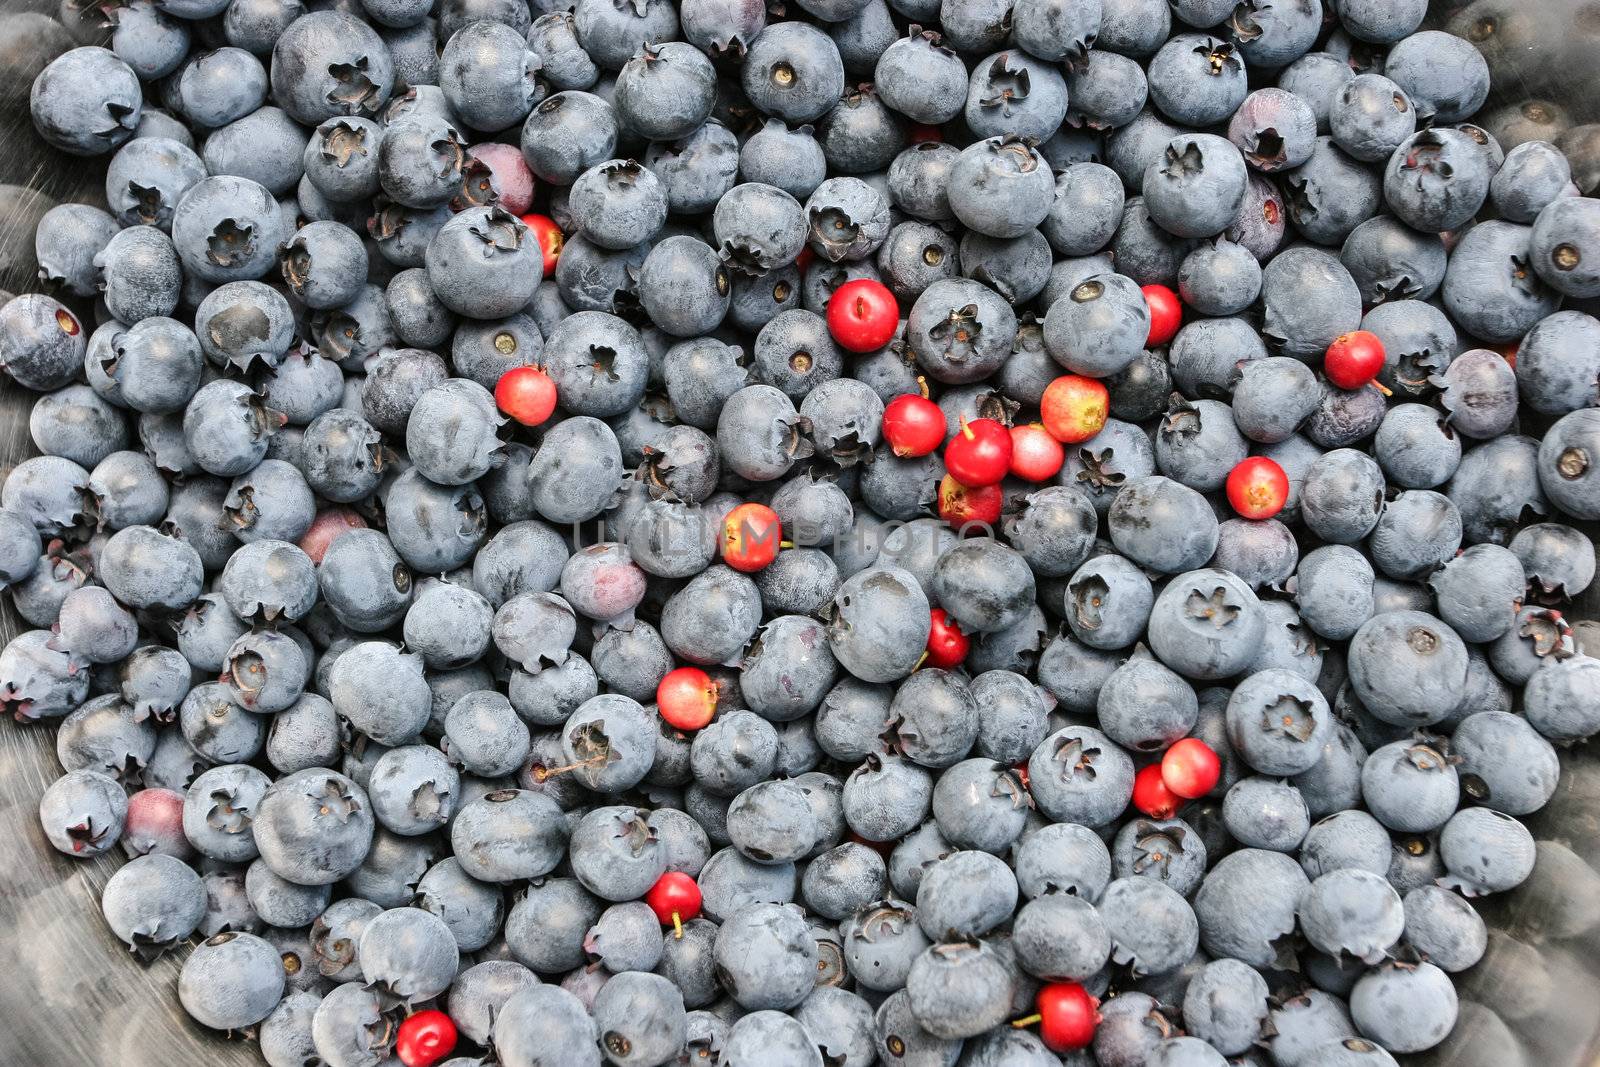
(1494,486)
(959,990)
(1429,999)
(1418,531)
(640,1018)
(960,330)
(919,180)
(86,101)
(1554,699)
(1294,322)
(1278,722)
(765,956)
(152,903)
(1392,263)
(886,797)
(1169,851)
(899,1035)
(1107,91)
(1447,77)
(1014,94)
(231,981)
(545,1020)
(1407,667)
(313,805)
(844,879)
(1162,524)
(481,991)
(1078,774)
(1197,186)
(1153,929)
(922,78)
(1489,288)
(789,160)
(1226,1005)
(769,1037)
(1563,235)
(1443,926)
(1275,129)
(285,1035)
(1001,187)
(1246,906)
(1098,327)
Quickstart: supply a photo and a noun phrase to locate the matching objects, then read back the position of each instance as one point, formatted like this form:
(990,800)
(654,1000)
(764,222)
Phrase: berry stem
(551,772)
(677,926)
(1026,1021)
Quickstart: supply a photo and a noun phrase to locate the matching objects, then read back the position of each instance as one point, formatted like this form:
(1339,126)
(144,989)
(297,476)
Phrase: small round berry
(1166,313)
(686,698)
(550,239)
(1257,488)
(980,454)
(1353,359)
(526,394)
(1068,1016)
(962,505)
(1151,795)
(1074,408)
(1036,455)
(863,315)
(751,535)
(425,1038)
(947,645)
(1190,768)
(913,425)
(675,898)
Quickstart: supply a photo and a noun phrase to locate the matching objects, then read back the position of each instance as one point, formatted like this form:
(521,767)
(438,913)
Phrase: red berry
(1257,488)
(862,315)
(686,698)
(155,824)
(804,260)
(921,131)
(751,535)
(961,505)
(1151,795)
(425,1038)
(947,645)
(979,454)
(550,238)
(675,896)
(1068,1016)
(331,523)
(1035,455)
(1074,408)
(505,178)
(1190,769)
(1166,313)
(1354,359)
(913,425)
(526,394)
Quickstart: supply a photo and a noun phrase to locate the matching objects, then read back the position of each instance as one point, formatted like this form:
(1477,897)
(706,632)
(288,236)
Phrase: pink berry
(508,173)
(327,527)
(155,824)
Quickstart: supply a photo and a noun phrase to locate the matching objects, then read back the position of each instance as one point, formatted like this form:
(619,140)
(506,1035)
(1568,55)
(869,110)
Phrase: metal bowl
(72,995)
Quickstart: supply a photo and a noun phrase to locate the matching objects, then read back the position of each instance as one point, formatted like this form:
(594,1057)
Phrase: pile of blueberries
(1006,533)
